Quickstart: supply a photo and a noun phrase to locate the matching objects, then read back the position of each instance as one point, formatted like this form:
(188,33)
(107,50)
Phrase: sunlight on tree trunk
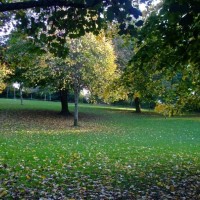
(21,93)
(14,93)
(76,96)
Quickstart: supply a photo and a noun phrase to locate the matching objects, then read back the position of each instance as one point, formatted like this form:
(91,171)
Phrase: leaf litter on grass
(42,159)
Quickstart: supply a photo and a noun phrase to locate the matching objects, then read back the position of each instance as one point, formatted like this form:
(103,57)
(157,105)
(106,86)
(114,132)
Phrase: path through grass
(113,154)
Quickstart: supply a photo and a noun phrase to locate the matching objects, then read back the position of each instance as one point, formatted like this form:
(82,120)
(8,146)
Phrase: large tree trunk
(64,102)
(137,105)
(76,97)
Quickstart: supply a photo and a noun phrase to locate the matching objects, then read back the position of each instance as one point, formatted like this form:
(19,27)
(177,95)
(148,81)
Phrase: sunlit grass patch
(114,153)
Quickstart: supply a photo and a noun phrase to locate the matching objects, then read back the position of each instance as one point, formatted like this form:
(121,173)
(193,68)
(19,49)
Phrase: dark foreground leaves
(85,187)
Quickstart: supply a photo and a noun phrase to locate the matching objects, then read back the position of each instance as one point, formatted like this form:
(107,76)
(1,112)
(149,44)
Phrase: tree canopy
(4,71)
(166,60)
(89,64)
(50,22)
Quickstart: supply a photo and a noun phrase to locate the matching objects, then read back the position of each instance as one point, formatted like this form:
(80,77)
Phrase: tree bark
(7,92)
(14,93)
(21,94)
(137,105)
(64,102)
(49,96)
(76,96)
(45,97)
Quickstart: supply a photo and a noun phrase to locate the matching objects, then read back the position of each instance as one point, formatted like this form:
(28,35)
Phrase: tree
(90,64)
(4,72)
(50,22)
(123,46)
(19,56)
(124,50)
(166,60)
(56,78)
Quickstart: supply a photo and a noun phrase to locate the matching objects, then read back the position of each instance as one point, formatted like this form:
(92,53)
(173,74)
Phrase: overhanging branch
(43,4)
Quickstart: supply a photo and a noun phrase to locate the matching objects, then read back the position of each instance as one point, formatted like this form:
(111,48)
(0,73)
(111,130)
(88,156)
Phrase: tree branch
(43,4)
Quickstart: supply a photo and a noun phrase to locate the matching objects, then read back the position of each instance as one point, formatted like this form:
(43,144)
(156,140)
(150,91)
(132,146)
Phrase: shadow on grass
(43,120)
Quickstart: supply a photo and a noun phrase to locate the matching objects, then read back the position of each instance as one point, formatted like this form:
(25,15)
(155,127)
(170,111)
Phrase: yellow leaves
(123,152)
(166,109)
(137,94)
(2,86)
(172,188)
(3,192)
(4,71)
(114,92)
(101,37)
(159,183)
(28,177)
(76,155)
(142,174)
(43,177)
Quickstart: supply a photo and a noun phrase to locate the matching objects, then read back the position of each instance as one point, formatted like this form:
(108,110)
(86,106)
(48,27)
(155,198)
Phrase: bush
(167,109)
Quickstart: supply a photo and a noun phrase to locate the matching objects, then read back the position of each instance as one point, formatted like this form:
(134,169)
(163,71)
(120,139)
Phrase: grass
(113,154)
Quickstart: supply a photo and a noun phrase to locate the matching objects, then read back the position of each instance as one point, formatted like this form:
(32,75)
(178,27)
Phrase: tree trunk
(76,96)
(45,97)
(64,102)
(137,105)
(49,96)
(14,94)
(7,92)
(21,94)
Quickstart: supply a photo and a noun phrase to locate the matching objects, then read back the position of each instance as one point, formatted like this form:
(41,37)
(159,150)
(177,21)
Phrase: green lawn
(113,154)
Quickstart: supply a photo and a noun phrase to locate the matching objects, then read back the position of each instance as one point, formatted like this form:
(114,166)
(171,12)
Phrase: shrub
(167,109)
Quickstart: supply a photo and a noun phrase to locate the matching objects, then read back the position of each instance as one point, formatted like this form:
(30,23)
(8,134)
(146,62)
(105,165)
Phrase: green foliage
(123,49)
(20,57)
(90,64)
(50,22)
(166,61)
(167,110)
(4,72)
(113,153)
